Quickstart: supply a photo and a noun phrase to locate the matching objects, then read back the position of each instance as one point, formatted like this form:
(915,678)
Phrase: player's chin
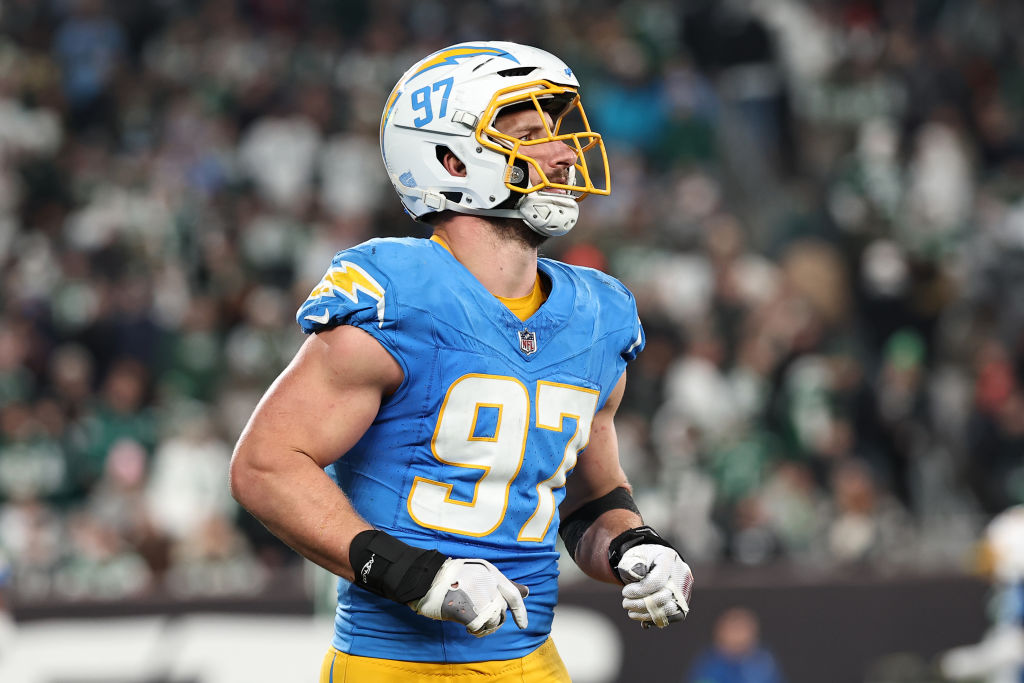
(516,229)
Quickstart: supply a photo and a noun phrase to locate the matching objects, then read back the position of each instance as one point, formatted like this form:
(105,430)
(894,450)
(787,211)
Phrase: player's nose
(560,154)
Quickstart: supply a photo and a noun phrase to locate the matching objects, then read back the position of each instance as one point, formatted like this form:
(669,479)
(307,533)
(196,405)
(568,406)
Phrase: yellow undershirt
(522,307)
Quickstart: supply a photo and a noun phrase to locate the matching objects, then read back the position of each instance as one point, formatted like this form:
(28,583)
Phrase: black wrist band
(641,535)
(573,527)
(390,568)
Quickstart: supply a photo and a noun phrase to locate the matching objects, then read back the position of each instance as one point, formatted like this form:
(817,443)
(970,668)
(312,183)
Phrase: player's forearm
(592,551)
(299,504)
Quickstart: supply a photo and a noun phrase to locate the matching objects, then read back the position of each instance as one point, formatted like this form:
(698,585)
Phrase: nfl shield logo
(527,342)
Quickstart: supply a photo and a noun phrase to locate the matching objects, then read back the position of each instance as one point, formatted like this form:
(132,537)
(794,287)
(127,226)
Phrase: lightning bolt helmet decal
(452,55)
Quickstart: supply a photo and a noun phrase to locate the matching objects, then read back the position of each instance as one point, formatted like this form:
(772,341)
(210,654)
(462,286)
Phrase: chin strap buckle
(465,118)
(435,200)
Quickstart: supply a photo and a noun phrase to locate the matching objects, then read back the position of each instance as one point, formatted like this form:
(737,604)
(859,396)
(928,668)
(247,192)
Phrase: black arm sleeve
(573,527)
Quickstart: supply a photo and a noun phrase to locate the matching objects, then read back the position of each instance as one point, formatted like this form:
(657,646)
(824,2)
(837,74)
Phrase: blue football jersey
(470,455)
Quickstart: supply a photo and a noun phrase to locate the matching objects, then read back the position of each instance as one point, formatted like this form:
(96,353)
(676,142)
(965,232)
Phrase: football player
(453,406)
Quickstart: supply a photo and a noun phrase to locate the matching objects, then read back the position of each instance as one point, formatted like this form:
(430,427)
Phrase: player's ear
(451,163)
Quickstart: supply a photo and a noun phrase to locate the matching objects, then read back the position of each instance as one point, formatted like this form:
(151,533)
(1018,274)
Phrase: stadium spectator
(736,654)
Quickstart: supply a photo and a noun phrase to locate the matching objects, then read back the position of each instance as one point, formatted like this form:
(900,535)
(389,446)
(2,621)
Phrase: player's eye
(531,135)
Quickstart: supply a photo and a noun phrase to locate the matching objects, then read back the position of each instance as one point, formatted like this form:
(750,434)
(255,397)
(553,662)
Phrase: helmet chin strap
(551,215)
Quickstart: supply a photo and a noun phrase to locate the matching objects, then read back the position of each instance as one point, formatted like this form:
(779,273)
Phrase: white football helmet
(450,100)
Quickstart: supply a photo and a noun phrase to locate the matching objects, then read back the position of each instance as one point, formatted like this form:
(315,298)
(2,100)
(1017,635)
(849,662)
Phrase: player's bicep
(598,470)
(326,398)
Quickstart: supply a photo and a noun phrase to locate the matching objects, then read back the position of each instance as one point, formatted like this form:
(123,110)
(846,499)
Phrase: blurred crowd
(818,204)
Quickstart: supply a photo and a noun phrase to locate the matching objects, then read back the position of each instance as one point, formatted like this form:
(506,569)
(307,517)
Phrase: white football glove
(658,585)
(474,593)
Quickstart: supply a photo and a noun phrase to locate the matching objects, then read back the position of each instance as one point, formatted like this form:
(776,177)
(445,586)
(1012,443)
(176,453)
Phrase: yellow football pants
(541,666)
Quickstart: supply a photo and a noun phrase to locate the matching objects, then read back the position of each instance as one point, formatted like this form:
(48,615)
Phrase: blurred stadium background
(818,204)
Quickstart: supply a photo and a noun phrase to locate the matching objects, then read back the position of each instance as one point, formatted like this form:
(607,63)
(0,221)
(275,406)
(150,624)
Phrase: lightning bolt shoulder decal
(348,280)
